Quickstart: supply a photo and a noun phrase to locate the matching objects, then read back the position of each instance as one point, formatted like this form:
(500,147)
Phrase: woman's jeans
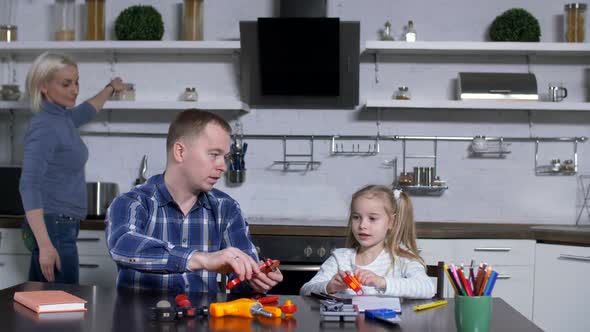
(63,232)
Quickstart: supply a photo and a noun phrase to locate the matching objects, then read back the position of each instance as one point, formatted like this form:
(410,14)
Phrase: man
(176,232)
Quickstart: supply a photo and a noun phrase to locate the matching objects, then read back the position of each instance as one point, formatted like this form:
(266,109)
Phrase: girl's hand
(369,278)
(337,284)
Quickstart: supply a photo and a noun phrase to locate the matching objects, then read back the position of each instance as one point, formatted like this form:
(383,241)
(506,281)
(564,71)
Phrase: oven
(300,256)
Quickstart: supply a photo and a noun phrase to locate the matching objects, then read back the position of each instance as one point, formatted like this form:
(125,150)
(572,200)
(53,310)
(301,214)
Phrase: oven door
(294,276)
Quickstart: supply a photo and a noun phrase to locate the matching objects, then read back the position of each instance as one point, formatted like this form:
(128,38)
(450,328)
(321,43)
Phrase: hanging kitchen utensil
(142,171)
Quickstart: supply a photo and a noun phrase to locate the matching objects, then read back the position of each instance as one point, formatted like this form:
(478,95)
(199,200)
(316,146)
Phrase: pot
(100,197)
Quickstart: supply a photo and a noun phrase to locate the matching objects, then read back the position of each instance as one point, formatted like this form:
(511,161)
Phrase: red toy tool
(353,284)
(289,308)
(265,267)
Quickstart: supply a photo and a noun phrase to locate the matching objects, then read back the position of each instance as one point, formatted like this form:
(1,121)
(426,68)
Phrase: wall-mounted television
(300,63)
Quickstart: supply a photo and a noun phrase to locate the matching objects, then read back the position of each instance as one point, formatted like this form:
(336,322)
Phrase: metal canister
(432,175)
(417,176)
(425,177)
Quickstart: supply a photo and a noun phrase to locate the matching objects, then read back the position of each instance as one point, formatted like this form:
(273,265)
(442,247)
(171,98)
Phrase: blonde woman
(382,251)
(53,185)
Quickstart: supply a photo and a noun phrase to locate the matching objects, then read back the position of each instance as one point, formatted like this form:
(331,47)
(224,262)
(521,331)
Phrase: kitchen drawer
(97,270)
(14,269)
(494,252)
(11,242)
(92,243)
(515,285)
(435,250)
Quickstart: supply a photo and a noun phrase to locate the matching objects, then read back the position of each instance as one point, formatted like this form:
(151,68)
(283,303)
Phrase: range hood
(497,86)
(303,8)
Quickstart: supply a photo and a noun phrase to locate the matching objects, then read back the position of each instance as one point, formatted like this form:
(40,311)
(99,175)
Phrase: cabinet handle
(89,266)
(88,239)
(419,249)
(575,257)
(491,249)
(504,276)
(2,264)
(299,268)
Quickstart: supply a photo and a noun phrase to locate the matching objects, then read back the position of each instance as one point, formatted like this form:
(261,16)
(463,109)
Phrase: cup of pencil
(473,313)
(473,296)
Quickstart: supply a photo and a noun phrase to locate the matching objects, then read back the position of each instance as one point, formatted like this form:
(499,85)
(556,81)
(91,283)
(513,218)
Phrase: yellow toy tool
(242,308)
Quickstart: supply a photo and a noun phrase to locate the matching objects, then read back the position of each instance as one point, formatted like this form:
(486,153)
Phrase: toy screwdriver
(241,307)
(353,284)
(265,267)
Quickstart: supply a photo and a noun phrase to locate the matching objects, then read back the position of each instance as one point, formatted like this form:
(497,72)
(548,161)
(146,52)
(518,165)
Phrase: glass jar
(410,32)
(575,22)
(386,34)
(94,19)
(190,94)
(8,29)
(406,179)
(402,93)
(193,20)
(10,92)
(65,19)
(127,94)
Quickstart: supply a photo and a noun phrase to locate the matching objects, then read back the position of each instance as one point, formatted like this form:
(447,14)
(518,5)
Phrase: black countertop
(124,311)
(559,234)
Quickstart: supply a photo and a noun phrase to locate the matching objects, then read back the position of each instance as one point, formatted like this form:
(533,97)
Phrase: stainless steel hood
(497,86)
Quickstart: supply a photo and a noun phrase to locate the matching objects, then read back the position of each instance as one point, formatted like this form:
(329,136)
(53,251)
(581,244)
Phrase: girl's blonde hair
(400,240)
(41,71)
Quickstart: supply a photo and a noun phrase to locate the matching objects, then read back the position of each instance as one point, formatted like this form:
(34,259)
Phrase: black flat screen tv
(300,63)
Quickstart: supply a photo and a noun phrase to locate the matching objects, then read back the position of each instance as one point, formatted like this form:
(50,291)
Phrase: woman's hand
(117,84)
(369,278)
(337,285)
(48,259)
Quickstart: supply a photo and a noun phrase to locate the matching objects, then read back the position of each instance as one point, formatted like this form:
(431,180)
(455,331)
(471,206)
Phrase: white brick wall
(481,190)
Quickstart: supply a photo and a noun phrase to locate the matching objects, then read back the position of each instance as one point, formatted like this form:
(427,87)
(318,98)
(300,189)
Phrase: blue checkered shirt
(151,240)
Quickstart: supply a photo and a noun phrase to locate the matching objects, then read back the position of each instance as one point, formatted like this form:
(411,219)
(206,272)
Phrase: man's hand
(48,260)
(225,261)
(337,284)
(262,283)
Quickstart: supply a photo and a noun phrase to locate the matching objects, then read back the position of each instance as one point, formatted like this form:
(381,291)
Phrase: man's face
(204,158)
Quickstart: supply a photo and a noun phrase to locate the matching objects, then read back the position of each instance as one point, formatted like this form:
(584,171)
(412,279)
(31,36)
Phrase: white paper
(371,302)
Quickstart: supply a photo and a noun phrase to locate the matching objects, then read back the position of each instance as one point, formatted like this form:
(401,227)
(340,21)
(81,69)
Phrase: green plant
(139,23)
(517,25)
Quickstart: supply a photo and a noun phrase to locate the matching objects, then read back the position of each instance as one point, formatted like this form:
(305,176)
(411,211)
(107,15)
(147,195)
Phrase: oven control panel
(297,249)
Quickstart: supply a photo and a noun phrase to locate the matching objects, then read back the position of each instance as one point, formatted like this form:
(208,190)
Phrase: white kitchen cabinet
(96,265)
(561,288)
(14,258)
(14,269)
(513,259)
(97,270)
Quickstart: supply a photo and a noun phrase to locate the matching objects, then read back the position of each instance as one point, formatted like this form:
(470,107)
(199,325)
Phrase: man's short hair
(192,122)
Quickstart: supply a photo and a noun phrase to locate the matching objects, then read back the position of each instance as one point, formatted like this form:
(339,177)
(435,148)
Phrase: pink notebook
(50,301)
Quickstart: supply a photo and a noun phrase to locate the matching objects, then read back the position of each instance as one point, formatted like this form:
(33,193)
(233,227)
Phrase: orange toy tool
(241,307)
(353,284)
(265,267)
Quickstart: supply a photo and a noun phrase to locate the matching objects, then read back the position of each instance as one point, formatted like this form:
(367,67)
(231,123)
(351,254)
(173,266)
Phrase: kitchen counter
(562,234)
(122,310)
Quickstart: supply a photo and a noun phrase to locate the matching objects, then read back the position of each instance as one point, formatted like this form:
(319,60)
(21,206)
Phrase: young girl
(382,254)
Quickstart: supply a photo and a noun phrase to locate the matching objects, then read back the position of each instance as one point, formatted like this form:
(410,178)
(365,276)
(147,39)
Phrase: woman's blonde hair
(400,240)
(41,71)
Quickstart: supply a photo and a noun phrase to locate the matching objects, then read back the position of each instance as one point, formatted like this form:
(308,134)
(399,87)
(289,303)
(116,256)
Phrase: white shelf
(129,47)
(152,105)
(477,48)
(477,105)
